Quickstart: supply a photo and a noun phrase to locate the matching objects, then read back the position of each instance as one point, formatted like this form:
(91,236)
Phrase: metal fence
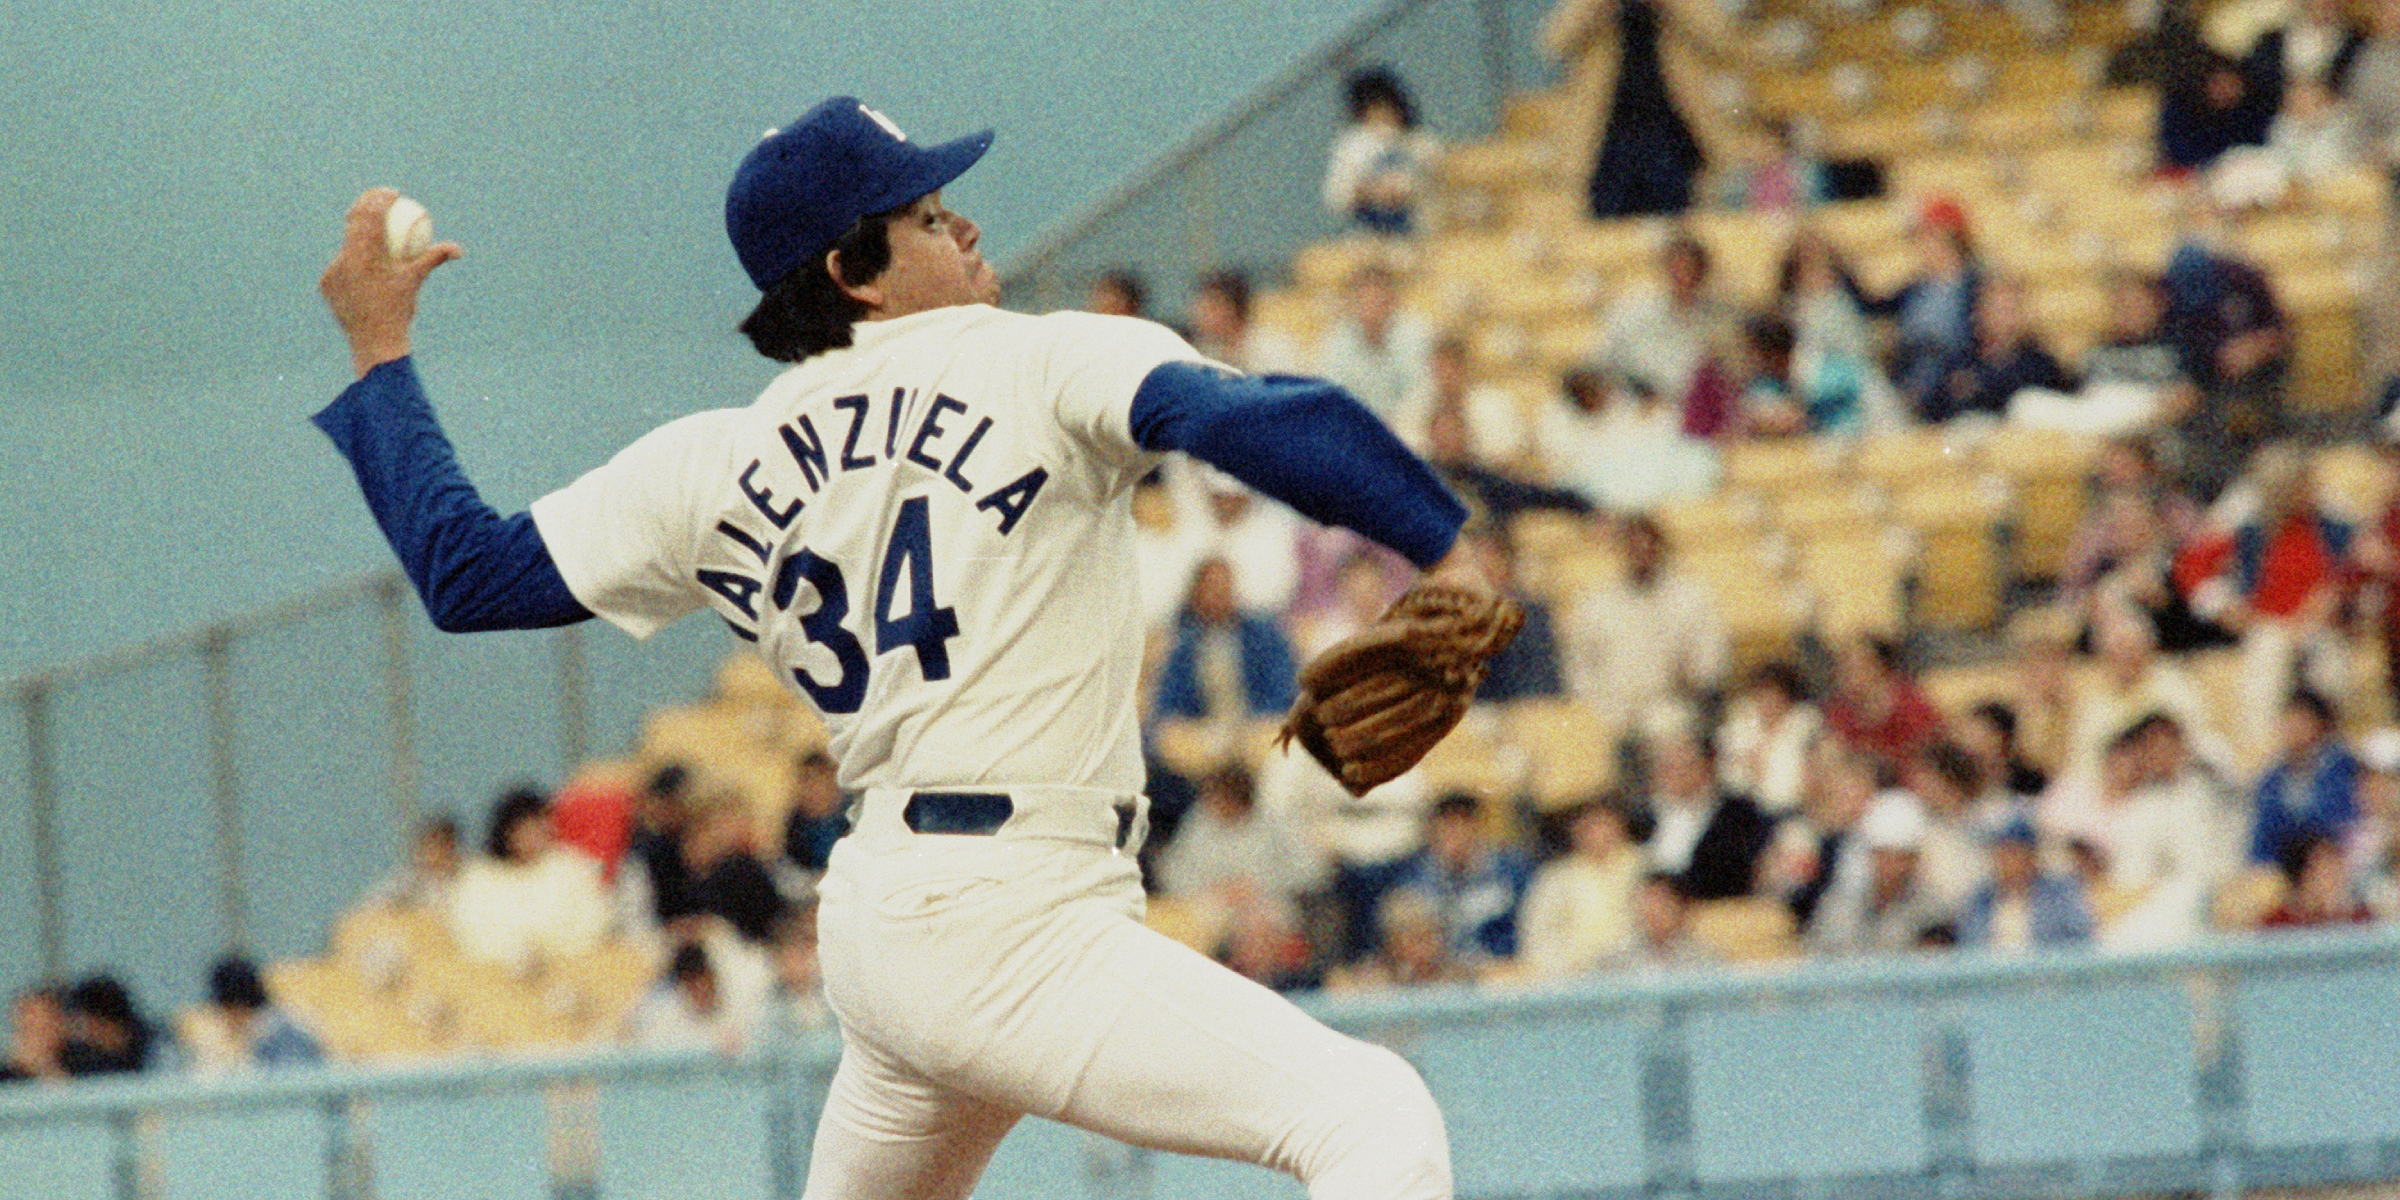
(234,788)
(2261,1062)
(1243,191)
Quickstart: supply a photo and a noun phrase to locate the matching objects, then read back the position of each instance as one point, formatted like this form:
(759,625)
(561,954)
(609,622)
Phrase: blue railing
(2254,1062)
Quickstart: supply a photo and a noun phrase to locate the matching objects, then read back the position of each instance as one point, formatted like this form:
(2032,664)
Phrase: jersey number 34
(927,628)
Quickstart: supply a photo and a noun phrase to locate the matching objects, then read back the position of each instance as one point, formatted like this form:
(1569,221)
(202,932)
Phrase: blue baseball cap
(804,185)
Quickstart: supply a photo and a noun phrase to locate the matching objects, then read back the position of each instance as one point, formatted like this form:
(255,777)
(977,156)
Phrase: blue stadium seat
(241,1154)
(487,1145)
(1539,1107)
(687,1139)
(66,1160)
(2074,1077)
(2317,1055)
(1809,1090)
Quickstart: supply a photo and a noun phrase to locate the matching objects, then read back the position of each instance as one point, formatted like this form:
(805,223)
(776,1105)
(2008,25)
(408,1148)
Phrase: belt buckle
(975,814)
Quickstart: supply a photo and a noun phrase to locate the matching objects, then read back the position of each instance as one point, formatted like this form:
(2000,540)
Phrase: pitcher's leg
(1157,1045)
(887,1135)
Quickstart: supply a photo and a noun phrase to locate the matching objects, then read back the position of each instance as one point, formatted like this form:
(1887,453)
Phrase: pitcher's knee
(1380,1135)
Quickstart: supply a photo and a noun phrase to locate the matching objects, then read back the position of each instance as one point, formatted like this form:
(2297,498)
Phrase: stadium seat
(2046,472)
(1748,930)
(1958,553)
(1570,747)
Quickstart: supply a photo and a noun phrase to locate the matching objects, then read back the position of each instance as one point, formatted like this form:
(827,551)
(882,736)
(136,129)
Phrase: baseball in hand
(407,229)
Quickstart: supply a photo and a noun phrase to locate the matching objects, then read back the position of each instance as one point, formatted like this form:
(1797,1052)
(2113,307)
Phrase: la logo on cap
(884,121)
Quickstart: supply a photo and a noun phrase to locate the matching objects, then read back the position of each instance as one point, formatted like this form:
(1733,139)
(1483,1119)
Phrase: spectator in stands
(1763,746)
(1649,157)
(1264,944)
(2317,44)
(1475,885)
(2089,806)
(2312,788)
(1652,635)
(1989,732)
(1490,418)
(1378,349)
(527,899)
(728,880)
(2133,681)
(1528,667)
(1226,681)
(1499,493)
(1369,840)
(1362,593)
(1934,312)
(1833,359)
(2279,578)
(2122,556)
(820,813)
(2004,357)
(1621,446)
(2321,891)
(2238,345)
(106,1033)
(2308,142)
(1222,329)
(687,1010)
(2176,840)
(241,1028)
(1413,949)
(1877,706)
(1578,912)
(593,813)
(1662,922)
(1885,907)
(656,847)
(1230,857)
(2024,907)
(2376,555)
(37,1037)
(1658,332)
(1954,859)
(426,880)
(1119,293)
(2132,379)
(1813,849)
(1709,839)
(1379,163)
(2372,98)
(1241,526)
(2374,842)
(1750,390)
(2207,105)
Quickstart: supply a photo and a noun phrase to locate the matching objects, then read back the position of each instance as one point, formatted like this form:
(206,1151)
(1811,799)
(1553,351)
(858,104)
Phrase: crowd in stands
(1815,801)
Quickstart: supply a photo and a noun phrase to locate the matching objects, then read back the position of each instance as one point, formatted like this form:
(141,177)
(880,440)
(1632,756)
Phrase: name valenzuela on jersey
(933,444)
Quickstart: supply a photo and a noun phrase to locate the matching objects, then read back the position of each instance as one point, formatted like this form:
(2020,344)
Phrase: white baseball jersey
(928,534)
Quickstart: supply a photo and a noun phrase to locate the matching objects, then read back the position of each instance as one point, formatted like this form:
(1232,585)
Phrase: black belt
(979,814)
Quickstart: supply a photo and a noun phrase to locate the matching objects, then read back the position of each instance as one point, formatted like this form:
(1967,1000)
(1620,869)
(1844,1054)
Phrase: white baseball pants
(979,978)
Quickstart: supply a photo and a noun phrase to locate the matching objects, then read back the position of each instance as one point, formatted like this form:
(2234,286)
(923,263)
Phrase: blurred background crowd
(1945,459)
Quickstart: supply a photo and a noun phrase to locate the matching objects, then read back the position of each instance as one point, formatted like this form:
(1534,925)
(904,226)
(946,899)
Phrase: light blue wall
(172,177)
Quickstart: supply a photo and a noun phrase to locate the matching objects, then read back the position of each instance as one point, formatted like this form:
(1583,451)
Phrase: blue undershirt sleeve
(476,570)
(1304,442)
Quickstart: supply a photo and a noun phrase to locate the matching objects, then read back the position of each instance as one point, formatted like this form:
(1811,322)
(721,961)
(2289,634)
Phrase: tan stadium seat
(1836,508)
(1958,553)
(1958,689)
(1774,466)
(1857,582)
(1752,929)
(2046,473)
(1570,748)
(1895,460)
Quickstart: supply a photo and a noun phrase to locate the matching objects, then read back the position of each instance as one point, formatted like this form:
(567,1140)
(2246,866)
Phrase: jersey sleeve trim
(475,570)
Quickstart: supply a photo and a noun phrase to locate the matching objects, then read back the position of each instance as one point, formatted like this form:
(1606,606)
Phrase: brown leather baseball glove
(1373,704)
